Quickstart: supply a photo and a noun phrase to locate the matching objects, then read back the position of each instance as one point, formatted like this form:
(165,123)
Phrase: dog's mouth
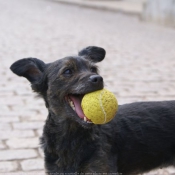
(74,101)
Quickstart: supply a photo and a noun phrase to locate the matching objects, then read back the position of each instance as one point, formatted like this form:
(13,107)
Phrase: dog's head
(63,83)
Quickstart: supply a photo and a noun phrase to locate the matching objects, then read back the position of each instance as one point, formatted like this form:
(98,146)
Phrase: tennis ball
(99,106)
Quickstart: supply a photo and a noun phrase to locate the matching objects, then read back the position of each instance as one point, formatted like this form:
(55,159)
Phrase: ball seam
(101,105)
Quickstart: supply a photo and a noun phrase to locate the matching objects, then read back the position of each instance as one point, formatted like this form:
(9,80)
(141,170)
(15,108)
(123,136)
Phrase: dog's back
(144,136)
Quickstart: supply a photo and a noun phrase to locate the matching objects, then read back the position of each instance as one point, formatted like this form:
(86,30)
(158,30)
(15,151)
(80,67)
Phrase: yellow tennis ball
(99,106)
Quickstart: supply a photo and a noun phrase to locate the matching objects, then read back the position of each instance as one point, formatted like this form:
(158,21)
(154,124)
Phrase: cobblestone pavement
(139,65)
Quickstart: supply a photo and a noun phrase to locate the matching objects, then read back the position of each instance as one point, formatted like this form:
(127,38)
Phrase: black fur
(30,68)
(95,54)
(140,137)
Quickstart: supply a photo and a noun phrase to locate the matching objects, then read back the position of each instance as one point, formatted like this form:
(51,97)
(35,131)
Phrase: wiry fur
(140,137)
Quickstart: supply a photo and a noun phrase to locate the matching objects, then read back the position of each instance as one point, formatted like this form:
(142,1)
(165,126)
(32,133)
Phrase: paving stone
(25,173)
(17,154)
(9,114)
(41,152)
(43,111)
(28,125)
(6,134)
(7,166)
(4,107)
(9,101)
(32,164)
(39,132)
(5,126)
(4,95)
(171,170)
(2,146)
(17,143)
(9,119)
(25,112)
(38,117)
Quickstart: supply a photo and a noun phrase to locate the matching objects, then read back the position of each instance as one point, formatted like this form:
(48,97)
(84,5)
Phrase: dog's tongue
(77,104)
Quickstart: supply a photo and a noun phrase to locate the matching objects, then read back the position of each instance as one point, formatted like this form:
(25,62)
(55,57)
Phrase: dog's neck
(62,138)
(61,132)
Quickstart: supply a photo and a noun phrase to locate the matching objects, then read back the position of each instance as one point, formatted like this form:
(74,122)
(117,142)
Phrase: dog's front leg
(102,164)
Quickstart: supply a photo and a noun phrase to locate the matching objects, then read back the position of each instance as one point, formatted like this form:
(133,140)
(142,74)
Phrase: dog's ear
(95,54)
(30,68)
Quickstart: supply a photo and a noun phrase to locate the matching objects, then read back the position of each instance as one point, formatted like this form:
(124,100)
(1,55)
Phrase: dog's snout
(96,79)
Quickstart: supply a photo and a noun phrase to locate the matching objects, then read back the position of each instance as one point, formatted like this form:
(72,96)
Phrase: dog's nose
(96,79)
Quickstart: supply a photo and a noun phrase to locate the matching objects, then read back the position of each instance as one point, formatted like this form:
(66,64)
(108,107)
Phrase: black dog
(141,137)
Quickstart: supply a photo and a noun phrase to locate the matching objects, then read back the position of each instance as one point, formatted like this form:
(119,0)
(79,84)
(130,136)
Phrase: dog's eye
(93,69)
(67,72)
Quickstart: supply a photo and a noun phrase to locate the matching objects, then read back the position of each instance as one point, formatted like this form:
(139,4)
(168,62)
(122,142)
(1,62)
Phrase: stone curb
(125,7)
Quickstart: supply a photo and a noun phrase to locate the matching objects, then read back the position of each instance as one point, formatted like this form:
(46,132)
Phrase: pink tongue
(77,104)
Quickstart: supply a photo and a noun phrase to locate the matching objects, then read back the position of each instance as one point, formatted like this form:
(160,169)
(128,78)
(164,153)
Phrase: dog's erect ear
(95,54)
(30,68)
